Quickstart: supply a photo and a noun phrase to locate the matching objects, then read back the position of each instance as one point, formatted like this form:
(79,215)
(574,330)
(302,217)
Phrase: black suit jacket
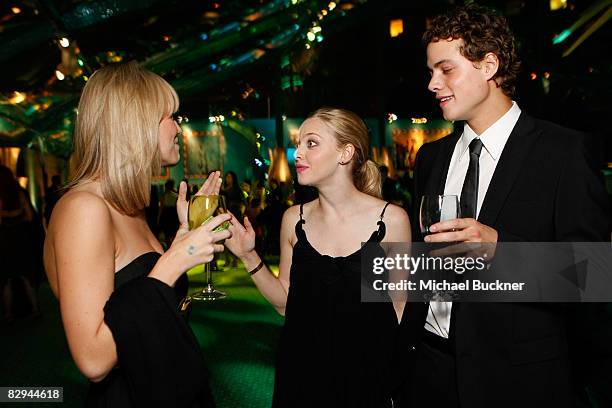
(546,188)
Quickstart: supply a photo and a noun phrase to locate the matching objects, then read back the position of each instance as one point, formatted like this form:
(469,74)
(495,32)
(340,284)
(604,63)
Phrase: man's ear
(347,153)
(490,65)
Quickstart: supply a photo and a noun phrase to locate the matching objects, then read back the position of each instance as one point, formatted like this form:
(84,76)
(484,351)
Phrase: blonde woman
(333,351)
(115,285)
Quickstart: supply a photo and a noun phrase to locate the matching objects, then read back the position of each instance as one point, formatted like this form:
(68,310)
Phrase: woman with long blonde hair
(116,286)
(333,351)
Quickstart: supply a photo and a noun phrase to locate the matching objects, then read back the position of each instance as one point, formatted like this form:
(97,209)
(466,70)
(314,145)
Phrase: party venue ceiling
(50,47)
(244,57)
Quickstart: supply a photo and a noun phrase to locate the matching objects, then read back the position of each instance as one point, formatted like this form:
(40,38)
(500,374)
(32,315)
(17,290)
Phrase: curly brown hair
(482,31)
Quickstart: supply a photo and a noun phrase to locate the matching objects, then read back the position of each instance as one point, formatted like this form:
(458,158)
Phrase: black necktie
(469,192)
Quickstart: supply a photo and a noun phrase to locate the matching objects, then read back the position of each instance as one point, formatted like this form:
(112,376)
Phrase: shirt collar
(495,137)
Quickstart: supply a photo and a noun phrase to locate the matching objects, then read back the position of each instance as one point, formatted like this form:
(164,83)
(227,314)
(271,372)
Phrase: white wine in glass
(201,209)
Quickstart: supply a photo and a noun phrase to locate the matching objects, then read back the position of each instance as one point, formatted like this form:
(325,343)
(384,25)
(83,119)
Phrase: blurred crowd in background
(22,228)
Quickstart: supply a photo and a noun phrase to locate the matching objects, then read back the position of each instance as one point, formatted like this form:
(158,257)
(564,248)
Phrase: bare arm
(83,244)
(242,244)
(398,230)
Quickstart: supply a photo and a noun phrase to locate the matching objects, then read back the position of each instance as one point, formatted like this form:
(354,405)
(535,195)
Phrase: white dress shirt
(494,140)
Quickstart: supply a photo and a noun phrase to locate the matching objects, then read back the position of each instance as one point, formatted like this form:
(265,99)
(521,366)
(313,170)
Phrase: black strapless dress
(334,351)
(160,363)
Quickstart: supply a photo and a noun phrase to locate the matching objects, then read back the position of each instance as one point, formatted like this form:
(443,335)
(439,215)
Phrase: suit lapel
(510,163)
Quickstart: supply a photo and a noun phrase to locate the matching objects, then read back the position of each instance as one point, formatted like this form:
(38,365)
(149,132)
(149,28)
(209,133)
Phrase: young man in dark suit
(518,179)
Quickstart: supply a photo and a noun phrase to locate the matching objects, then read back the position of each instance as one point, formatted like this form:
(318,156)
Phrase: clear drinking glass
(201,209)
(436,208)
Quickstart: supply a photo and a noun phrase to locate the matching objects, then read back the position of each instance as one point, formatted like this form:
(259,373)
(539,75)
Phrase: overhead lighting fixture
(59,75)
(558,4)
(15,10)
(559,38)
(64,42)
(17,97)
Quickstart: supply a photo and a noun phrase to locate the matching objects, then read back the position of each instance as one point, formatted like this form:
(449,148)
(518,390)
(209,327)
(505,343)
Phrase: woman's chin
(306,181)
(170,161)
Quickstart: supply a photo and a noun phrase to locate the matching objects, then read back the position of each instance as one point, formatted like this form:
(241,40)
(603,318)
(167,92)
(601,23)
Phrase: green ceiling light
(587,15)
(589,31)
(559,38)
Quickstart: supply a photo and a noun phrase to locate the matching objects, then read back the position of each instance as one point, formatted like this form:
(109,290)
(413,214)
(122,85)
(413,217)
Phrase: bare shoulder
(395,213)
(292,214)
(80,206)
(80,216)
(80,232)
(398,224)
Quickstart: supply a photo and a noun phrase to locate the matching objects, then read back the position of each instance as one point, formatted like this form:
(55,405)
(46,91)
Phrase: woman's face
(169,132)
(317,155)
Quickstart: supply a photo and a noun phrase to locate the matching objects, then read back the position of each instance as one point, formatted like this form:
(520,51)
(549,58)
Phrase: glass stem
(208,274)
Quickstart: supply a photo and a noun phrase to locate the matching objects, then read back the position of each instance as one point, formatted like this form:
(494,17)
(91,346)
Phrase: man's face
(459,84)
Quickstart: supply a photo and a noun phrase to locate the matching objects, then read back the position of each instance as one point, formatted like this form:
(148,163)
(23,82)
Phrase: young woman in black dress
(116,287)
(334,351)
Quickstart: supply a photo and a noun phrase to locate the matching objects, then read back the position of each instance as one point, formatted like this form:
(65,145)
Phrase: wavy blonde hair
(116,136)
(348,128)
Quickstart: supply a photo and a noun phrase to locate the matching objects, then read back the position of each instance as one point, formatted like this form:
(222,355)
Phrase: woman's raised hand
(243,237)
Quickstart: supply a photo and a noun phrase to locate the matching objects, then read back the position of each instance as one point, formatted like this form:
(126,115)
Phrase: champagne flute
(436,208)
(201,209)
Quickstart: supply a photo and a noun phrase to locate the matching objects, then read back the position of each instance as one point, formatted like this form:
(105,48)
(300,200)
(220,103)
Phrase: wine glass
(201,209)
(436,208)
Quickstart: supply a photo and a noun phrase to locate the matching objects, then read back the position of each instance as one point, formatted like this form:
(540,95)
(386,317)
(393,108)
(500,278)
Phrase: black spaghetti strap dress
(334,351)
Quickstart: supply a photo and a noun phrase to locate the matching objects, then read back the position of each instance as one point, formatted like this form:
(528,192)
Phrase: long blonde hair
(116,136)
(348,128)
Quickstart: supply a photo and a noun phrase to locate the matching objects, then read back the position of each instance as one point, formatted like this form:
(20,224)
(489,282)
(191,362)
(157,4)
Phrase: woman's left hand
(211,186)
